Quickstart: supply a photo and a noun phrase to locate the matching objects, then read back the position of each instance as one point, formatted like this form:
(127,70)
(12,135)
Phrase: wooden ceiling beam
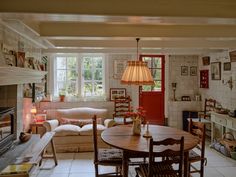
(53,29)
(160,8)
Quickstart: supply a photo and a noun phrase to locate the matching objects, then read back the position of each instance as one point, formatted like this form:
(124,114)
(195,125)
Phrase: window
(66,76)
(79,75)
(155,65)
(92,76)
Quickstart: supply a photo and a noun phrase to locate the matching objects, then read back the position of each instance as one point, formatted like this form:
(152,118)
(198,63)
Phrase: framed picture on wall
(20,59)
(119,67)
(193,71)
(117,92)
(232,56)
(216,71)
(227,66)
(205,60)
(184,70)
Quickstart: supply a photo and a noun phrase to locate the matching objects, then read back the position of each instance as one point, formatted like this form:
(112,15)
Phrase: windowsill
(81,99)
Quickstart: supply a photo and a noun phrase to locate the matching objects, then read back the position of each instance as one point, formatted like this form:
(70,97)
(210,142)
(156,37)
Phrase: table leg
(186,164)
(125,167)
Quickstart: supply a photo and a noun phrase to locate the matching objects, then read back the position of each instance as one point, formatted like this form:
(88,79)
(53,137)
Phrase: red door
(151,98)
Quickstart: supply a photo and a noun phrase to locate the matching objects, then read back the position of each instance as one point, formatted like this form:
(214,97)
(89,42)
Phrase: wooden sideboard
(223,122)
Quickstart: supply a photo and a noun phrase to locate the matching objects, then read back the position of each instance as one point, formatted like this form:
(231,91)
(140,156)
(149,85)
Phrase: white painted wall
(219,89)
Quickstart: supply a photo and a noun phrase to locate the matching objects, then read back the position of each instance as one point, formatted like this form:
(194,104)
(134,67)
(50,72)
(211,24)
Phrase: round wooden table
(122,137)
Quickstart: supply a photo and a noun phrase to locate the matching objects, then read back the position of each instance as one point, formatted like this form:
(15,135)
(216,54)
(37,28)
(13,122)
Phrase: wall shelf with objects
(10,75)
(204,78)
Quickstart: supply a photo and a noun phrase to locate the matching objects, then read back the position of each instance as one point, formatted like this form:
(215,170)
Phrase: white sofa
(74,138)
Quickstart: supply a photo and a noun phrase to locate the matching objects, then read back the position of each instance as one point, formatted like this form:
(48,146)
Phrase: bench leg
(54,152)
(42,155)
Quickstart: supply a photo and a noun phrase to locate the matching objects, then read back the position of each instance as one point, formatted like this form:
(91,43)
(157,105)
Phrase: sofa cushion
(67,130)
(81,113)
(79,122)
(88,129)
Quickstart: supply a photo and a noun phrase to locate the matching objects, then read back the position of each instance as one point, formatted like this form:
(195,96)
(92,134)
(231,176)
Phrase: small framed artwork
(119,67)
(20,59)
(184,70)
(193,71)
(10,59)
(227,66)
(205,60)
(216,71)
(117,92)
(232,56)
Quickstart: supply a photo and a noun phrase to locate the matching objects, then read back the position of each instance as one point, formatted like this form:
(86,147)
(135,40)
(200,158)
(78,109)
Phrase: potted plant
(62,95)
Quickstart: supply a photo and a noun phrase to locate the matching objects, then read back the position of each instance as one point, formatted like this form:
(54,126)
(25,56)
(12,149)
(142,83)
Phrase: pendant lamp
(137,72)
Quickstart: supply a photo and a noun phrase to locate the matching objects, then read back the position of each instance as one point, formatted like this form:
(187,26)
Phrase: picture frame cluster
(185,70)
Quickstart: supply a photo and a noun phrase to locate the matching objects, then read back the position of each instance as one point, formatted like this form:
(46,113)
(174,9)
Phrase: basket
(228,141)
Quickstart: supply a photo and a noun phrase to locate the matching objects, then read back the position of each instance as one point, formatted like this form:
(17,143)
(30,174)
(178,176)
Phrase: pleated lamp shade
(137,73)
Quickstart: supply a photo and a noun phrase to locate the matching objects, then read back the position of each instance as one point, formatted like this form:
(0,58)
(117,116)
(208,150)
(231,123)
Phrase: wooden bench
(33,150)
(38,151)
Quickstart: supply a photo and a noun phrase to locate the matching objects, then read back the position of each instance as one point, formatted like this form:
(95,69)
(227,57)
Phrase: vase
(137,126)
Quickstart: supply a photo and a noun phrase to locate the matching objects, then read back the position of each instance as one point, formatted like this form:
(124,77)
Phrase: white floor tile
(81,165)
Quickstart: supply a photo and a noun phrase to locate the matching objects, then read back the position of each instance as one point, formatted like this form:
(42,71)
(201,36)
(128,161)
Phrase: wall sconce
(229,82)
(174,85)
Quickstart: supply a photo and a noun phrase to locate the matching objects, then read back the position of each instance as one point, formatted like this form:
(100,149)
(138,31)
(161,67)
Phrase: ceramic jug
(137,126)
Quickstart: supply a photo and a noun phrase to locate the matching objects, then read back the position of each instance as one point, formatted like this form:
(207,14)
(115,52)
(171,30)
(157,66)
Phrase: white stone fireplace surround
(12,96)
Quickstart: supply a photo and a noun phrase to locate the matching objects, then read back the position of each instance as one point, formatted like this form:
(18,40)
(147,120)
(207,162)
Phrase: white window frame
(93,81)
(56,91)
(80,78)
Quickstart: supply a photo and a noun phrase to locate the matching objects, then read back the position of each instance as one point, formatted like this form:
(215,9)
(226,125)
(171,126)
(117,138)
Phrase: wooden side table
(38,128)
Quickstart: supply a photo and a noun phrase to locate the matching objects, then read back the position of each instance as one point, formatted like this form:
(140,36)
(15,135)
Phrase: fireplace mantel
(10,75)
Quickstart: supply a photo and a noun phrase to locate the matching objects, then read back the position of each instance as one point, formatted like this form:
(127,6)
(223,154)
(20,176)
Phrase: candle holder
(147,134)
(174,89)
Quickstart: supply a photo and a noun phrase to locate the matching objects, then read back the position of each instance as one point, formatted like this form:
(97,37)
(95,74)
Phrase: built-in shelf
(10,75)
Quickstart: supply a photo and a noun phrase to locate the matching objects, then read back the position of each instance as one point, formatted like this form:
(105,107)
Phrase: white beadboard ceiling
(111,25)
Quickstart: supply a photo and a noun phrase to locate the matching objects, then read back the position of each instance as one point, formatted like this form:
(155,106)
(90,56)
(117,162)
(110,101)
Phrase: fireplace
(7,128)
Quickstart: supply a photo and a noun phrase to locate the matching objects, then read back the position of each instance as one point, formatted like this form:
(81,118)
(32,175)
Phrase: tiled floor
(81,165)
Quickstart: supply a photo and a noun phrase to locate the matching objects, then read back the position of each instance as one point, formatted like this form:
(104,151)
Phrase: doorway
(151,98)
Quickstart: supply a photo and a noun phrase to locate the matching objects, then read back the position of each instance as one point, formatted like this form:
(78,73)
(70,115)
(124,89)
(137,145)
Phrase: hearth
(7,128)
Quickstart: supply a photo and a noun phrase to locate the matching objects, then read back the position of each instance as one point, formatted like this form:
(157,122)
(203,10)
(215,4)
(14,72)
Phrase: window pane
(148,60)
(87,63)
(72,75)
(98,75)
(146,88)
(98,62)
(71,62)
(157,86)
(87,75)
(88,89)
(71,88)
(61,75)
(156,73)
(156,62)
(98,88)
(61,86)
(61,63)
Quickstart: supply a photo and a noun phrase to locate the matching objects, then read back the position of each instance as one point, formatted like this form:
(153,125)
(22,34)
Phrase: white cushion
(66,130)
(88,129)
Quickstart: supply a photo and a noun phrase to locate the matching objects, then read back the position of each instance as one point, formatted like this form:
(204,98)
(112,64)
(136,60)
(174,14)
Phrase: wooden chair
(205,116)
(208,106)
(163,167)
(198,129)
(121,108)
(106,157)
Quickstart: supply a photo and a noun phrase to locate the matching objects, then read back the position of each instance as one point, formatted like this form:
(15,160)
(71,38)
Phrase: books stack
(19,170)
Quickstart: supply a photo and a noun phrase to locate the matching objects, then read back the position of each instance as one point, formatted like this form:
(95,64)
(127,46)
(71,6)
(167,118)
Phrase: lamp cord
(137,39)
